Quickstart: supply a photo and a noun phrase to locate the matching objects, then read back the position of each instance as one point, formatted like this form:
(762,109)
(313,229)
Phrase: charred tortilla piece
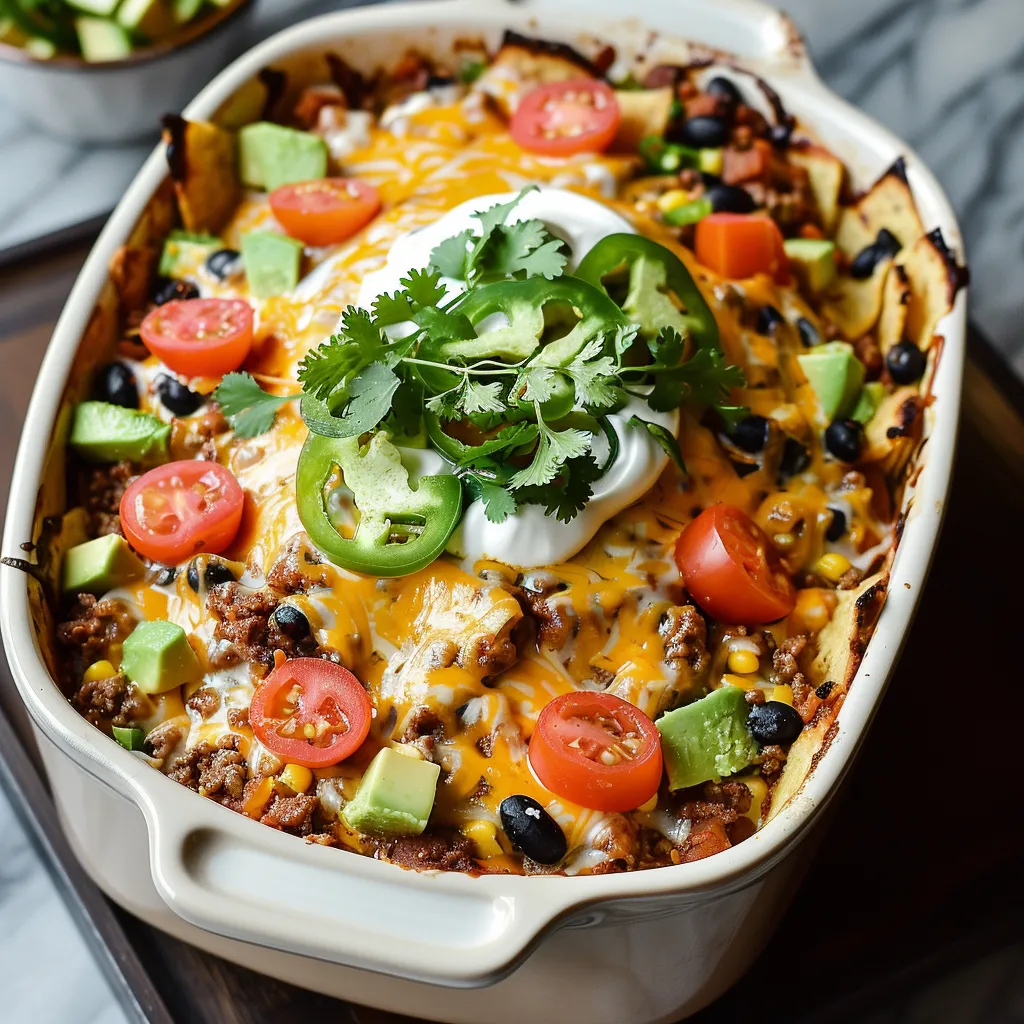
(888,204)
(890,434)
(825,175)
(934,277)
(203,163)
(523,63)
(644,112)
(893,317)
(854,306)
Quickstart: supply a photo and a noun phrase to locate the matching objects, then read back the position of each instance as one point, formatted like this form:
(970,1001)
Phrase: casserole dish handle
(243,880)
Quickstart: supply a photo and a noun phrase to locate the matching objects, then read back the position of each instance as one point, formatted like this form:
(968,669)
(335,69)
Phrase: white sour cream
(530,538)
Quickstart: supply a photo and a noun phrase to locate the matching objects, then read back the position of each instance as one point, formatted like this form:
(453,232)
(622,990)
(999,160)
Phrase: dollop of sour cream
(529,538)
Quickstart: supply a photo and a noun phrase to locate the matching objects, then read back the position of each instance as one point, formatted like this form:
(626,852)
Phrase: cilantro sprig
(248,408)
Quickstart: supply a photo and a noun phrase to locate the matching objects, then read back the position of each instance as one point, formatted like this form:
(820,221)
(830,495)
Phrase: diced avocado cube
(272,262)
(836,374)
(100,8)
(707,739)
(867,405)
(158,657)
(186,10)
(813,261)
(130,737)
(395,796)
(102,432)
(184,250)
(41,49)
(102,40)
(270,155)
(100,565)
(151,18)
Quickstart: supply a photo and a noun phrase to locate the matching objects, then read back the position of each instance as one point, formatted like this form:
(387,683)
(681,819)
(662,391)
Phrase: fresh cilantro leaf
(507,439)
(535,383)
(357,343)
(248,408)
(667,347)
(406,417)
(442,326)
(424,287)
(665,438)
(705,379)
(499,503)
(526,247)
(358,328)
(370,397)
(567,500)
(449,258)
(446,405)
(392,309)
(595,380)
(554,448)
(498,213)
(623,338)
(482,397)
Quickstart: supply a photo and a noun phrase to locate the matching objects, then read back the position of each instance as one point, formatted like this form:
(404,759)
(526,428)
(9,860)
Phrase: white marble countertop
(947,75)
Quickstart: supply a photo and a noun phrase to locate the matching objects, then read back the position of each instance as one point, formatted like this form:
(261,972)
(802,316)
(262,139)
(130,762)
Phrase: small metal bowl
(121,100)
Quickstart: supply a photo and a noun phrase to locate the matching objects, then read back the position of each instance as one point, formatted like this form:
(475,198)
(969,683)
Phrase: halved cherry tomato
(325,211)
(739,245)
(311,712)
(597,750)
(200,337)
(177,510)
(581,116)
(727,567)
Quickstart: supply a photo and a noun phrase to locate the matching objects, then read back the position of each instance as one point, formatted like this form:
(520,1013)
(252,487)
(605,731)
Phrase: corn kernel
(832,566)
(484,837)
(258,799)
(98,670)
(671,199)
(649,806)
(710,161)
(297,778)
(406,748)
(731,680)
(813,609)
(743,662)
(758,794)
(783,694)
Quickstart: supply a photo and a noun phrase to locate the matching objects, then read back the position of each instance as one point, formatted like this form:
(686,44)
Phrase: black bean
(166,574)
(726,88)
(167,289)
(781,133)
(710,180)
(730,199)
(704,132)
(808,332)
(291,621)
(837,527)
(532,830)
(824,690)
(774,722)
(116,384)
(843,439)
(224,263)
(751,434)
(795,458)
(177,397)
(906,362)
(885,246)
(214,573)
(744,468)
(768,318)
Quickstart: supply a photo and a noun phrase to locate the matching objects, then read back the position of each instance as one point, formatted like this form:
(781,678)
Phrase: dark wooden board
(922,864)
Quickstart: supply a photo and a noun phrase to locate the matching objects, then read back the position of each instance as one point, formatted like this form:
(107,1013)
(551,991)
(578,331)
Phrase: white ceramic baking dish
(637,947)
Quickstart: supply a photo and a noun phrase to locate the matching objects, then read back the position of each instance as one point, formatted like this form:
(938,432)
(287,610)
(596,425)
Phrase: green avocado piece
(150,18)
(100,8)
(130,737)
(102,40)
(813,261)
(102,432)
(270,155)
(158,657)
(870,399)
(272,262)
(100,565)
(707,739)
(183,250)
(836,374)
(395,796)
(185,10)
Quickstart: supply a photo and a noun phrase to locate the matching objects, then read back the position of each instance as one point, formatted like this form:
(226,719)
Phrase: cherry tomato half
(597,750)
(177,510)
(325,211)
(725,560)
(311,712)
(581,116)
(200,337)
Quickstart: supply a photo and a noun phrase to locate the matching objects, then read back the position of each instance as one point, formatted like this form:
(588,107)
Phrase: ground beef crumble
(218,772)
(103,488)
(685,633)
(91,627)
(440,851)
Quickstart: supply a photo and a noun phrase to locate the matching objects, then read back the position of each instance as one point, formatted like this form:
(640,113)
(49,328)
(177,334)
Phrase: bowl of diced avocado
(106,70)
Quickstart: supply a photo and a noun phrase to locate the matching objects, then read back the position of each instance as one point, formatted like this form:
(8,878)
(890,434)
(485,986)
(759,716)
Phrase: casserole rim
(524,908)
